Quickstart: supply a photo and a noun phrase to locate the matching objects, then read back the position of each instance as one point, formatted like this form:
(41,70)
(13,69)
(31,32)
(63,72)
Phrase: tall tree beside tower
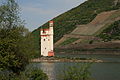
(15,40)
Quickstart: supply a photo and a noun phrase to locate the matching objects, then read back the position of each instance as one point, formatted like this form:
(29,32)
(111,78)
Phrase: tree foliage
(112,32)
(16,45)
(9,17)
(37,75)
(77,72)
(28,74)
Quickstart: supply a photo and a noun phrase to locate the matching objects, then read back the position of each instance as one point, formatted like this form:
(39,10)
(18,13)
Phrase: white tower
(47,40)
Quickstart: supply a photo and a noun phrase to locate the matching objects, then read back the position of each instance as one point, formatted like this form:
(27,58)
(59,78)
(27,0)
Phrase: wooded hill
(80,15)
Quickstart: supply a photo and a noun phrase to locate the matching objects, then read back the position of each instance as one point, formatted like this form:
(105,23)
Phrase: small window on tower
(45,48)
(43,31)
(44,39)
(48,39)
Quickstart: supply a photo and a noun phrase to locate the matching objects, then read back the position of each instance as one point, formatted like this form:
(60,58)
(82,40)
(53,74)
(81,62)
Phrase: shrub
(29,74)
(76,72)
(35,74)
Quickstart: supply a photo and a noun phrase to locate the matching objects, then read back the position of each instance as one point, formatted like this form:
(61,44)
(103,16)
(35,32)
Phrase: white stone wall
(51,38)
(45,46)
(45,42)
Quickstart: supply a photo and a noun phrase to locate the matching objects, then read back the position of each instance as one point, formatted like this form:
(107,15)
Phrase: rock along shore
(52,59)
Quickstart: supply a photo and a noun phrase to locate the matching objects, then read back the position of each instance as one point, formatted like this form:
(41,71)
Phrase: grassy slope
(82,14)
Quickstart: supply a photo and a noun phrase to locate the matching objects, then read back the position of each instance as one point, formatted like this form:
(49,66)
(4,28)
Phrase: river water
(99,71)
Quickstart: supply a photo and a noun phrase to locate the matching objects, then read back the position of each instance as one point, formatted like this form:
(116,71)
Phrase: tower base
(51,53)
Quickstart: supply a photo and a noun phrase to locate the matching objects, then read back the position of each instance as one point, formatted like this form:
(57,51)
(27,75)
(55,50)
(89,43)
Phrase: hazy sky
(37,12)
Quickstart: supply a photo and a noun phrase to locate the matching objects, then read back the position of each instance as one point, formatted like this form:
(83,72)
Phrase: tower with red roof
(47,40)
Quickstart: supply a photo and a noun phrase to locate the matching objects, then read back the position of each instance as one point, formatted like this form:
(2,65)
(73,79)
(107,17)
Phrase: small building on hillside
(47,40)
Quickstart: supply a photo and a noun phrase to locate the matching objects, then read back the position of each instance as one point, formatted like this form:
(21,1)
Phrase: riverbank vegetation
(28,74)
(76,72)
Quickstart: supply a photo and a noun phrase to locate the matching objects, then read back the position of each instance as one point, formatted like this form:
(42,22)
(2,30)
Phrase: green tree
(9,15)
(28,74)
(16,44)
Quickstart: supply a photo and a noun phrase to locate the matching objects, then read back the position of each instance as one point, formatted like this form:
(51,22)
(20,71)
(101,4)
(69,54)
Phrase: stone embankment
(52,59)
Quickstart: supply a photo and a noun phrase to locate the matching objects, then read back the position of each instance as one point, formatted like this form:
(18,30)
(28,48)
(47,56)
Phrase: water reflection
(49,69)
(100,71)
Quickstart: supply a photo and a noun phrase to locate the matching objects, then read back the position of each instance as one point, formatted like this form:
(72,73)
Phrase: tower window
(43,31)
(44,39)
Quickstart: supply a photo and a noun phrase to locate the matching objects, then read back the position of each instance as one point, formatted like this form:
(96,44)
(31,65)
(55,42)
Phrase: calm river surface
(99,71)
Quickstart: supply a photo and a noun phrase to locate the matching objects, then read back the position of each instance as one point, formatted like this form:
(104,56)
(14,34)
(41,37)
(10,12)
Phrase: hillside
(94,30)
(95,25)
(80,15)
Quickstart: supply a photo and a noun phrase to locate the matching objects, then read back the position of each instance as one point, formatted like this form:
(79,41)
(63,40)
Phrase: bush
(77,72)
(12,56)
(35,74)
(29,74)
(90,42)
(38,75)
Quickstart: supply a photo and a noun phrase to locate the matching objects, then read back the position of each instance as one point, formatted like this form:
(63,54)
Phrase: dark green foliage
(16,44)
(112,32)
(36,39)
(77,72)
(13,46)
(28,74)
(37,75)
(90,42)
(82,14)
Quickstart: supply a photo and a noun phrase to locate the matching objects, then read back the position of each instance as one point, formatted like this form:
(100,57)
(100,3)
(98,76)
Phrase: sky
(37,12)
